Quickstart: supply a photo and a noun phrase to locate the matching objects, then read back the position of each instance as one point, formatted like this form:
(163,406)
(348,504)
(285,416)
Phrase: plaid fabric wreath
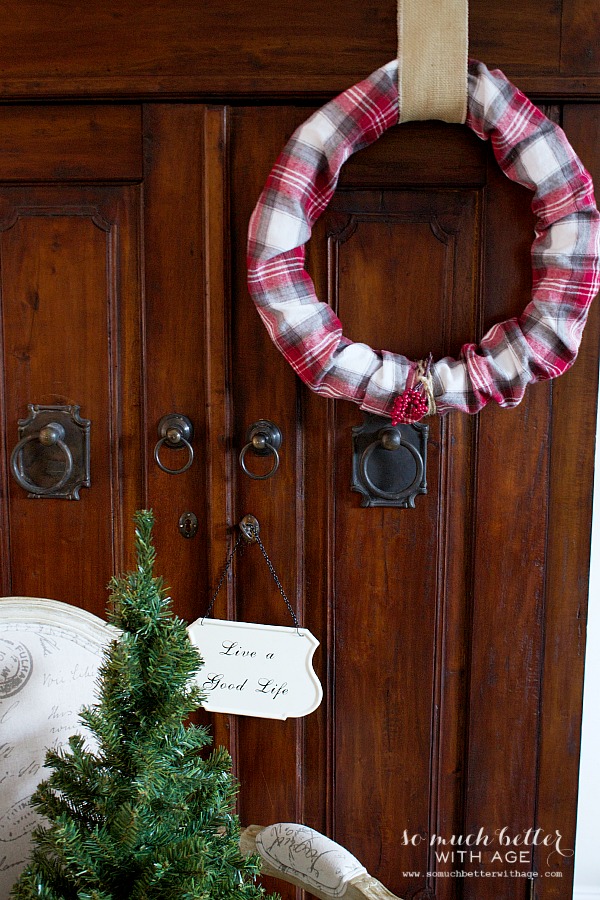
(541,343)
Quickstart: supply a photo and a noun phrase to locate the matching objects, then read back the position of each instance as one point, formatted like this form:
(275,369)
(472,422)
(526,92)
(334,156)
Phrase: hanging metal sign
(251,669)
(256,670)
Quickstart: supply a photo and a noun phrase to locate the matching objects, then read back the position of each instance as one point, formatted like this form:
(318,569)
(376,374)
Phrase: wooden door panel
(444,629)
(574,398)
(270,758)
(453,155)
(507,620)
(432,620)
(71,143)
(579,47)
(70,304)
(425,291)
(365,758)
(395,766)
(176,347)
(105,305)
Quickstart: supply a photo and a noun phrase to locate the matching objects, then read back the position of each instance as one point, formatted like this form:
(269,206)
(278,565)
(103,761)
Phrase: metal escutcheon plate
(52,457)
(188,525)
(389,462)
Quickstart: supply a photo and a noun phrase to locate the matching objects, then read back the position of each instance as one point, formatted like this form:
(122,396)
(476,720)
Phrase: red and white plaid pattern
(540,344)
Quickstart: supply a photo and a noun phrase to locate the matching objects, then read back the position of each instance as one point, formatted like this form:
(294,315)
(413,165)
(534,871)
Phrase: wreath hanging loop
(539,344)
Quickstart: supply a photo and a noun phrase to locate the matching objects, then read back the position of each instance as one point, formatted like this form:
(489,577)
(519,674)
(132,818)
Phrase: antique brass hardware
(175,431)
(188,525)
(389,462)
(250,528)
(263,438)
(52,457)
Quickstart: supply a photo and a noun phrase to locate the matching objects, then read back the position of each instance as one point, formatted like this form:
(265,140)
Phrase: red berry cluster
(409,407)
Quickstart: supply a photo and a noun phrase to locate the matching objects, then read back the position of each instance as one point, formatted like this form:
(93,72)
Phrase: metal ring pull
(264,438)
(50,435)
(175,432)
(391,440)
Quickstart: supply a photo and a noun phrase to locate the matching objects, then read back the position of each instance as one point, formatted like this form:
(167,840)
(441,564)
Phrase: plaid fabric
(540,344)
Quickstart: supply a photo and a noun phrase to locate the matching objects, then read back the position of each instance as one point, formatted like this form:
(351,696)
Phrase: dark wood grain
(452,635)
(71,143)
(579,49)
(454,154)
(69,285)
(570,499)
(174,48)
(218,460)
(175,340)
(270,761)
(398,727)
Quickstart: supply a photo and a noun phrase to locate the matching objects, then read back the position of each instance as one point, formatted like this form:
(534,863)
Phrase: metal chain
(256,536)
(274,574)
(226,569)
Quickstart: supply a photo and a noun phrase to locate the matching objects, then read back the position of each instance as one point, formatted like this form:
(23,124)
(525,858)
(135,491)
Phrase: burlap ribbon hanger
(432,59)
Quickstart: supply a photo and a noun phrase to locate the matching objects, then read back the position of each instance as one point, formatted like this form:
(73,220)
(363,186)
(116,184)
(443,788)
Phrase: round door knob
(390,438)
(51,434)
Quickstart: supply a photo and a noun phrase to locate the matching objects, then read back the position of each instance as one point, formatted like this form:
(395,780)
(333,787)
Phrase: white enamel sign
(49,658)
(309,856)
(256,670)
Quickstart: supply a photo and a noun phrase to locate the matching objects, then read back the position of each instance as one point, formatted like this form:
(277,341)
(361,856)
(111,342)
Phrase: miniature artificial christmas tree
(144,815)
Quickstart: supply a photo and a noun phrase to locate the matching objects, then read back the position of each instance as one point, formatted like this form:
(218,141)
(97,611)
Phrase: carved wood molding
(225,88)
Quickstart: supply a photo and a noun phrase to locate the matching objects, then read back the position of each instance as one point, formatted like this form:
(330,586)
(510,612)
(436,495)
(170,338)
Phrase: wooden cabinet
(452,634)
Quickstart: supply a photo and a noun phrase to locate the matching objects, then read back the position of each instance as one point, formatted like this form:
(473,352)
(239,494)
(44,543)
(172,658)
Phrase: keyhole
(188,525)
